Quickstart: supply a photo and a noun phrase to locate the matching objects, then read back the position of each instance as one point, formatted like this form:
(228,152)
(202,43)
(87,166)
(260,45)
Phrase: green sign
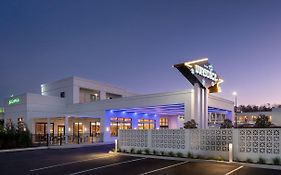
(13,101)
(1,110)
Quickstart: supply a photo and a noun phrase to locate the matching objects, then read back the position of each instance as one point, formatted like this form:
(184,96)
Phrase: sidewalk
(69,146)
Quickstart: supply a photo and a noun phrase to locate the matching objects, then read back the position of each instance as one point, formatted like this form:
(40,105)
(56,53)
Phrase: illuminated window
(77,128)
(146,124)
(164,123)
(41,128)
(94,129)
(119,123)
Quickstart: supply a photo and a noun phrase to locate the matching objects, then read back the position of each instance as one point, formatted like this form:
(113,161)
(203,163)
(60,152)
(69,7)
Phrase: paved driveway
(97,160)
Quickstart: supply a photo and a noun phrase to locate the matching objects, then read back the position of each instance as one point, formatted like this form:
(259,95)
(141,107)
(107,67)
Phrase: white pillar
(102,95)
(205,106)
(66,128)
(197,104)
(48,126)
(48,130)
(202,109)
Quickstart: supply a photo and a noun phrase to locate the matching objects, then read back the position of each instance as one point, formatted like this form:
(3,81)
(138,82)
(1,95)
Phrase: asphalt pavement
(96,160)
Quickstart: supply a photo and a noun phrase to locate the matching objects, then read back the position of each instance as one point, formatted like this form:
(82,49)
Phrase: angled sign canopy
(202,72)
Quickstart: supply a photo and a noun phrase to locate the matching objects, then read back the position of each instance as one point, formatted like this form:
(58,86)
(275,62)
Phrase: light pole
(235,108)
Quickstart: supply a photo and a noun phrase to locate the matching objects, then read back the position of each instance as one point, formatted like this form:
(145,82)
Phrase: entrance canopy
(200,72)
(170,109)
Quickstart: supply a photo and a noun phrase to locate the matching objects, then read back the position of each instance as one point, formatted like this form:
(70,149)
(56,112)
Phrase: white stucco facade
(76,100)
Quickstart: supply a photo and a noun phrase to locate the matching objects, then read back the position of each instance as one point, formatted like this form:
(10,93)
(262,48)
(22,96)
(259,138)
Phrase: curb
(23,149)
(79,145)
(54,147)
(265,166)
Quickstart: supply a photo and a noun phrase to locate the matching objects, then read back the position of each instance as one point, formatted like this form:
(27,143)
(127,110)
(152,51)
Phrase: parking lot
(97,160)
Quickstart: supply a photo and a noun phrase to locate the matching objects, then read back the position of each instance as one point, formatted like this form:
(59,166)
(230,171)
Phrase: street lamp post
(235,108)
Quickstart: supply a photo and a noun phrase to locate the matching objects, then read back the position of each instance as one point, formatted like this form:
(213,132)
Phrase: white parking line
(230,172)
(69,163)
(105,166)
(174,165)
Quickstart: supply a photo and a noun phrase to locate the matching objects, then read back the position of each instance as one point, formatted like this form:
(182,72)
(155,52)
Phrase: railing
(46,140)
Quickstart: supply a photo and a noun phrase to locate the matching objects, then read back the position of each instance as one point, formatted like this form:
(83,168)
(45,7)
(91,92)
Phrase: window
(62,94)
(94,129)
(119,123)
(164,123)
(41,128)
(94,97)
(77,129)
(146,124)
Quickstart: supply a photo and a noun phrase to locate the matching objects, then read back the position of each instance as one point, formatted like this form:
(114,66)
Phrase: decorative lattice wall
(168,139)
(259,141)
(133,138)
(210,139)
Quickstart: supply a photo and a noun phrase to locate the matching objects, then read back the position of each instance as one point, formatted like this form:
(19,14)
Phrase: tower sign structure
(201,74)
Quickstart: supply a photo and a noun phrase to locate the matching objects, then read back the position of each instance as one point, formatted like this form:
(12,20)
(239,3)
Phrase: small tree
(227,123)
(262,122)
(190,124)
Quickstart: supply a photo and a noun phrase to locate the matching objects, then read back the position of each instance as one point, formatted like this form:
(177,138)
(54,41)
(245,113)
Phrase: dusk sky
(134,43)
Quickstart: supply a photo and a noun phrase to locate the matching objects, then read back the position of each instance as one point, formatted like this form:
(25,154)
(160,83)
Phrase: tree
(227,123)
(190,124)
(262,122)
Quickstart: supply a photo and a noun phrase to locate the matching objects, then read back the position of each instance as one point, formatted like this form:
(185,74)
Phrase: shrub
(220,158)
(199,157)
(155,152)
(132,151)
(190,155)
(139,151)
(276,161)
(248,160)
(262,121)
(171,154)
(147,151)
(227,123)
(162,153)
(179,154)
(261,161)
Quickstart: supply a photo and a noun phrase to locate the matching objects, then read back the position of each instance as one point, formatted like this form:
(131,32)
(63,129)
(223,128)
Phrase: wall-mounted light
(107,129)
(69,129)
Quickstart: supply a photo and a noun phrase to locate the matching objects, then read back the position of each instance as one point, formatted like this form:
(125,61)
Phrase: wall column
(205,107)
(102,95)
(66,128)
(197,104)
(48,130)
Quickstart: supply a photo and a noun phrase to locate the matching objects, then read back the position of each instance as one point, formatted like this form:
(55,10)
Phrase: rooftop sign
(13,101)
(202,72)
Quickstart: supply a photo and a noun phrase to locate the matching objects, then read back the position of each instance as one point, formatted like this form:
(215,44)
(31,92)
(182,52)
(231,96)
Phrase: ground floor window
(164,123)
(61,130)
(77,128)
(41,128)
(146,124)
(119,123)
(94,129)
